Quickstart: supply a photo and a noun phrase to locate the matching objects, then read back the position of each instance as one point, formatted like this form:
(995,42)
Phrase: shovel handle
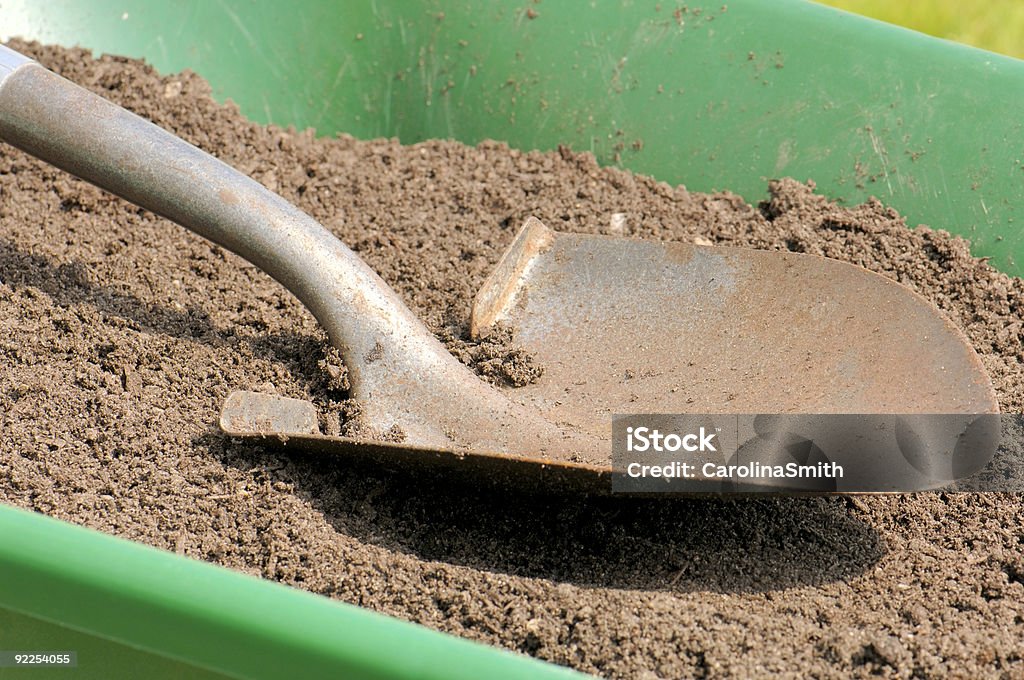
(62,123)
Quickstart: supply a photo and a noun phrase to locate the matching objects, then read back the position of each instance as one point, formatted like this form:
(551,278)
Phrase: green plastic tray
(716,96)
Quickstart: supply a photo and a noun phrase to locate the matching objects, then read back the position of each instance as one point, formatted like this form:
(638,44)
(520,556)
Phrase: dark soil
(121,334)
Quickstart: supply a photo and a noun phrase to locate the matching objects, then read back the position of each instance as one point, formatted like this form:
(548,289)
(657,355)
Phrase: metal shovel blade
(628,326)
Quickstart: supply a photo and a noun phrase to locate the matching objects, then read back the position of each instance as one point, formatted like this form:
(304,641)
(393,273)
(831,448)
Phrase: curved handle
(64,124)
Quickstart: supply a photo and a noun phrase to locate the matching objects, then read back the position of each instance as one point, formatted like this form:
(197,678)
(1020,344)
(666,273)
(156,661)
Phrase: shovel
(619,325)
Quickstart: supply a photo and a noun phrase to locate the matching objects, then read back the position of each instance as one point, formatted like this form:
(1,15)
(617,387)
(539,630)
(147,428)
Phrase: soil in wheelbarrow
(122,334)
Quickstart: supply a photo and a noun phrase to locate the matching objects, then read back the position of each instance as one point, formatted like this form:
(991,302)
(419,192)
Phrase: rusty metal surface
(511,276)
(267,415)
(263,418)
(629,326)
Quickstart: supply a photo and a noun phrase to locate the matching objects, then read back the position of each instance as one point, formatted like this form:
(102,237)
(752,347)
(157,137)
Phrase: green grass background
(996,25)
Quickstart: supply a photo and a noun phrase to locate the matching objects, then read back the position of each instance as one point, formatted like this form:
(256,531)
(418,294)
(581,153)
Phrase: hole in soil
(682,545)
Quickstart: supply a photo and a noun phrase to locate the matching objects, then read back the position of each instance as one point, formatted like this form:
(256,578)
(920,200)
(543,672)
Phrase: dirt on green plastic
(121,334)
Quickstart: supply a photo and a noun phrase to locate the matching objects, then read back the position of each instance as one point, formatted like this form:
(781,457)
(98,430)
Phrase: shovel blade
(632,326)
